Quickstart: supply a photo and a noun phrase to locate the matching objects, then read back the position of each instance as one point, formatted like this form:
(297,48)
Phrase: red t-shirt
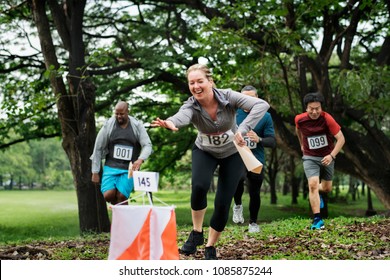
(317,135)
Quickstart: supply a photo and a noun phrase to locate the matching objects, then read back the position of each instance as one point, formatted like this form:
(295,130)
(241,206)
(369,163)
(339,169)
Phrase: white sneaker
(238,216)
(253,228)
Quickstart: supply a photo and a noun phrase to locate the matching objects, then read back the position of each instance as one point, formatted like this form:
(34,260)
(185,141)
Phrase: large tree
(75,100)
(73,94)
(93,54)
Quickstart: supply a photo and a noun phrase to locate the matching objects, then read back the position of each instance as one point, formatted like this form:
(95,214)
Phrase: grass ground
(35,215)
(45,223)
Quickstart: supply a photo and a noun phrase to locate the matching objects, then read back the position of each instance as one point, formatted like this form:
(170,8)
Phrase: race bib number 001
(123,152)
(145,181)
(317,142)
(217,140)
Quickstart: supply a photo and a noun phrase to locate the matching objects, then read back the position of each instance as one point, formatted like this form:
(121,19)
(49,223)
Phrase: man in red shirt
(316,131)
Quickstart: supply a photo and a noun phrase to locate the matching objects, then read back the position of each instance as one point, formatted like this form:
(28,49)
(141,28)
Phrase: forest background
(64,64)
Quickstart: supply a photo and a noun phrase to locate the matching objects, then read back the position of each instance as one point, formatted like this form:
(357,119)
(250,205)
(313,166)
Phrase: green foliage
(38,163)
(142,41)
(14,165)
(368,89)
(27,110)
(139,51)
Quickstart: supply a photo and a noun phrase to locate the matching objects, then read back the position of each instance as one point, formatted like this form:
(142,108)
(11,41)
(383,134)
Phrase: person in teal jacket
(263,135)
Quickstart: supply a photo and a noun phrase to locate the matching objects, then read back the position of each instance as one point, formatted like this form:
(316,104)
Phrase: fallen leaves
(305,244)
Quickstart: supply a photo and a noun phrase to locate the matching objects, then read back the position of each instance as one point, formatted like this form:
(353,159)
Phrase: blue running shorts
(114,178)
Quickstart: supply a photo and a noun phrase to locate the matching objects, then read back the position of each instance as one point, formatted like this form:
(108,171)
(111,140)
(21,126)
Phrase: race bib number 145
(146,181)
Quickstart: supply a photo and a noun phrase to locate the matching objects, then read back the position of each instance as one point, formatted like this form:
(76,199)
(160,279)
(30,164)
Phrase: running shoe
(238,216)
(253,228)
(210,253)
(318,224)
(195,239)
(321,202)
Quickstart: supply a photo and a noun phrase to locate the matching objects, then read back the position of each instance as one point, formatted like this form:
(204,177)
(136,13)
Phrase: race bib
(317,142)
(123,152)
(217,140)
(251,144)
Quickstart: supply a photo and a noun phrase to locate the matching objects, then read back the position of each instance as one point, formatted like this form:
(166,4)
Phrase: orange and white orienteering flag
(143,233)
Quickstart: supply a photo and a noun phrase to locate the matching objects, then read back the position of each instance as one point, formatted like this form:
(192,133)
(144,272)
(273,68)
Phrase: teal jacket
(264,129)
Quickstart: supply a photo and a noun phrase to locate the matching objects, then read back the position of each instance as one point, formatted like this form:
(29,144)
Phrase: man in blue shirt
(263,135)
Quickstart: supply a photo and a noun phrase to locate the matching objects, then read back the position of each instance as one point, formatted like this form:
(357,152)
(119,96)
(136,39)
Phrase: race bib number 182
(217,140)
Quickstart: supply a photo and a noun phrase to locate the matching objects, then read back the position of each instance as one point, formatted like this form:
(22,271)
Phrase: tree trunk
(274,197)
(75,111)
(305,187)
(324,211)
(272,173)
(370,207)
(296,181)
(366,160)
(352,187)
(11,182)
(286,184)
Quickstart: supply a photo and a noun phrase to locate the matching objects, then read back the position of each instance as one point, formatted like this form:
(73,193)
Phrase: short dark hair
(313,97)
(249,88)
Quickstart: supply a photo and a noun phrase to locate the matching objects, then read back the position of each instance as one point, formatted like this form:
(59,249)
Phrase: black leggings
(231,170)
(254,185)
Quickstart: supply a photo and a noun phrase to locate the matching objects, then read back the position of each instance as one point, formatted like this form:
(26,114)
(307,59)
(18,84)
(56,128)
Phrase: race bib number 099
(317,142)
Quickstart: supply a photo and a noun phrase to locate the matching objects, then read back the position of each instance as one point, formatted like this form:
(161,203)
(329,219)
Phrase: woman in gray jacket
(213,112)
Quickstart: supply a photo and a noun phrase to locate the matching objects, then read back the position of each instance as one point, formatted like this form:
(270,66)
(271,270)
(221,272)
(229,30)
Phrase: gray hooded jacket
(191,112)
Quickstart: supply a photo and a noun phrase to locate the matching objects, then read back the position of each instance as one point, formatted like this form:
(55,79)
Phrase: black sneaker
(195,239)
(210,253)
